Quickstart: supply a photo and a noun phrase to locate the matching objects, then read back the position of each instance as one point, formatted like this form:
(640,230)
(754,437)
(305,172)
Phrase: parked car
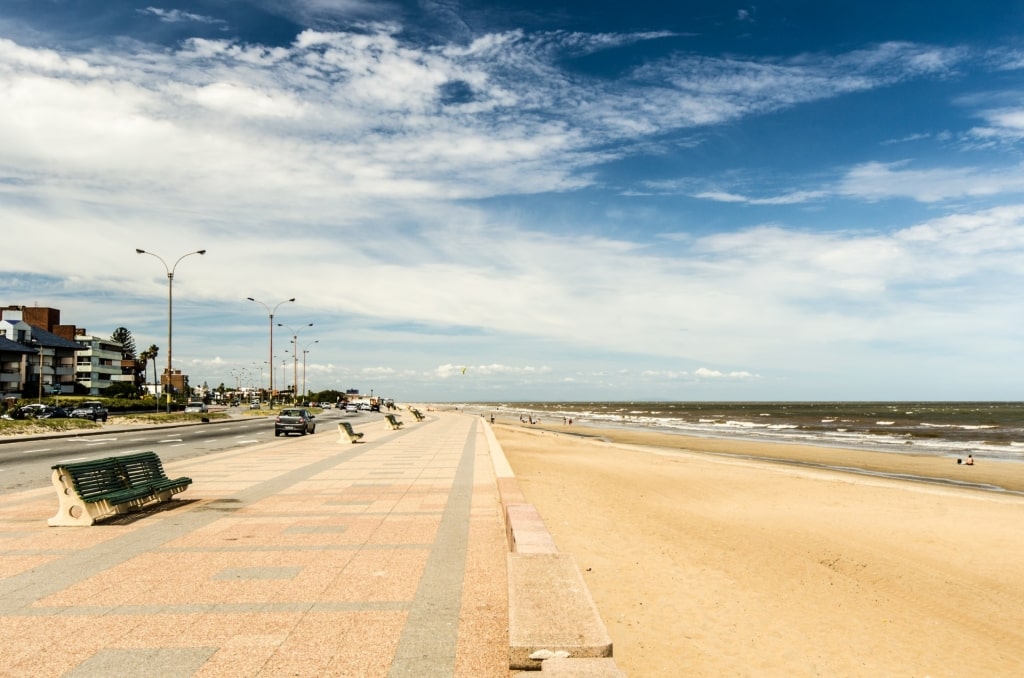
(53,413)
(90,409)
(196,406)
(28,411)
(351,407)
(294,420)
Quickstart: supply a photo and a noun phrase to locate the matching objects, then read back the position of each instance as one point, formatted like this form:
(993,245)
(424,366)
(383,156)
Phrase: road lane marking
(171,440)
(41,449)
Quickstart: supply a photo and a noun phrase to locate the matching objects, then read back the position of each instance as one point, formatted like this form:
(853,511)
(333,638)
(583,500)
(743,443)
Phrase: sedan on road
(91,409)
(294,420)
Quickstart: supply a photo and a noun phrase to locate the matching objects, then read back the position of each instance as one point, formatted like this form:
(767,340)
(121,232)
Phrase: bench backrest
(347,426)
(142,467)
(93,479)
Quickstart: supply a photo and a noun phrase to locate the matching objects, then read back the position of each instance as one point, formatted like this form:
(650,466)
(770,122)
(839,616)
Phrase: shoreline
(988,475)
(709,557)
(956,429)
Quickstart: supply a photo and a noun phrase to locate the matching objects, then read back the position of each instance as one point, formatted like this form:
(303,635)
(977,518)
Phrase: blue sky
(572,201)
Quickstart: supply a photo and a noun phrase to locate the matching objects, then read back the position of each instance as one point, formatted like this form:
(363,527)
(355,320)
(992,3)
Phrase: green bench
(346,428)
(394,422)
(90,490)
(416,413)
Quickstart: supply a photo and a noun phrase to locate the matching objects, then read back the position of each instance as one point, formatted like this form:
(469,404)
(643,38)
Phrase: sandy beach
(707,564)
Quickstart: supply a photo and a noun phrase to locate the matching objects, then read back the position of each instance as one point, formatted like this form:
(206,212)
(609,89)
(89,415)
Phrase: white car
(196,407)
(351,407)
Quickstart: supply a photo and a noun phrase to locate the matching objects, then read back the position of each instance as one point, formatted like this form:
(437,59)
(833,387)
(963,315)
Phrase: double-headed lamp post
(304,352)
(271,361)
(170,312)
(295,357)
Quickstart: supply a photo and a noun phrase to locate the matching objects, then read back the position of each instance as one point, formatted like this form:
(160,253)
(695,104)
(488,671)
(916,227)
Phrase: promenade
(305,556)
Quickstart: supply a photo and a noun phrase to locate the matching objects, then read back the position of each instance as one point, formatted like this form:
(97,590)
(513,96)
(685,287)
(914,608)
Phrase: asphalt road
(25,464)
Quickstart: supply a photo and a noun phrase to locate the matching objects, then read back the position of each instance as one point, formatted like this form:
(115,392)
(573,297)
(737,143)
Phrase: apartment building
(45,363)
(14,361)
(41,357)
(98,363)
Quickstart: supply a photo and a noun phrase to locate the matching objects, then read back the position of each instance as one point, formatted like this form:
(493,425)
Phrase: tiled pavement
(304,556)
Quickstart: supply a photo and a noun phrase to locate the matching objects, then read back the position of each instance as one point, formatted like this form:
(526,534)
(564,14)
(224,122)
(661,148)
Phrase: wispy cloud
(794,198)
(876,181)
(172,16)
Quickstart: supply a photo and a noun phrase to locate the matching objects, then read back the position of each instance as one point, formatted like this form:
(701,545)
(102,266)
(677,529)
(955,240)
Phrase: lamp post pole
(284,363)
(39,349)
(304,352)
(259,385)
(295,357)
(170,312)
(271,362)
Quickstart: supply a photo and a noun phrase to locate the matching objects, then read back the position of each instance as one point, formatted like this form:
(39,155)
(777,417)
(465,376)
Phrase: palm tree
(150,354)
(141,366)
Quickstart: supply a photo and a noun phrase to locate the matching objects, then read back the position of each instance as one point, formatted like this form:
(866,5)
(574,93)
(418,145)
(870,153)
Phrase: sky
(520,200)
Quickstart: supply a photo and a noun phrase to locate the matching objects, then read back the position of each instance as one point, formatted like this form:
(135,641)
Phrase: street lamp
(39,349)
(295,357)
(271,312)
(170,297)
(304,352)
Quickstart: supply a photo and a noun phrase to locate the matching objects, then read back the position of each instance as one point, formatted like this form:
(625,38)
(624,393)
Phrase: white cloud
(493,369)
(792,198)
(877,181)
(705,373)
(178,16)
(1004,125)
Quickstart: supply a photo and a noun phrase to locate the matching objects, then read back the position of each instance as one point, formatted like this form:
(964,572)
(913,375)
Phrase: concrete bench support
(551,613)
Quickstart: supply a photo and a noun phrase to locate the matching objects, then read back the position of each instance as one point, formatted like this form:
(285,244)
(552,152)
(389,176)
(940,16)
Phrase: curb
(554,624)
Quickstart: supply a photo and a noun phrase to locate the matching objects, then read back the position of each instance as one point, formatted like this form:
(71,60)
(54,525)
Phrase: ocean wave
(950,429)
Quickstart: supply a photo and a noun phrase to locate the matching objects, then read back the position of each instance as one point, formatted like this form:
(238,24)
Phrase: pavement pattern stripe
(428,641)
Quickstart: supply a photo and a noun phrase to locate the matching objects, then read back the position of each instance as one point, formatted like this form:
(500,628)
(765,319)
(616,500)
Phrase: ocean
(987,430)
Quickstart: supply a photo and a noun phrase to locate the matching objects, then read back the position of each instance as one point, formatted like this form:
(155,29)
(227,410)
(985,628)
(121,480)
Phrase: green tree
(124,337)
(121,389)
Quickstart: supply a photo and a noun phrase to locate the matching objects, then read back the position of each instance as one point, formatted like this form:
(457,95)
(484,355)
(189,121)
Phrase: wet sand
(705,561)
